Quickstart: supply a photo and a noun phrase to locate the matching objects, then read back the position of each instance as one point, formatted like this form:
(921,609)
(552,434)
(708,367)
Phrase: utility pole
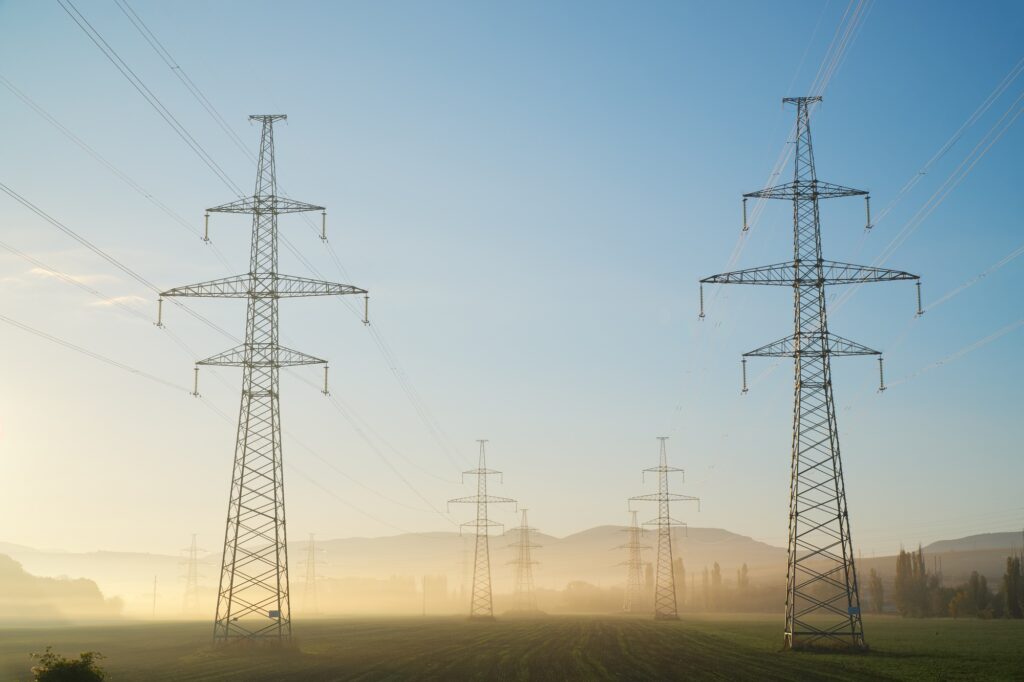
(190,602)
(524,595)
(481,607)
(822,600)
(154,597)
(633,599)
(253,601)
(665,607)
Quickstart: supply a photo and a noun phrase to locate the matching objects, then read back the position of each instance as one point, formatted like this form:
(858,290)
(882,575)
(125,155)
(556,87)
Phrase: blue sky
(531,192)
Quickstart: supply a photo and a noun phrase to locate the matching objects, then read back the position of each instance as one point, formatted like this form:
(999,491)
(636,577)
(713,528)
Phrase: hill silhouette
(28,598)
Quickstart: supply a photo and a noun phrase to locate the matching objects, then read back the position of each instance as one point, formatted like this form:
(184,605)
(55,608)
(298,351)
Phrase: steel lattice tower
(253,598)
(665,607)
(633,599)
(190,602)
(822,601)
(524,595)
(481,606)
(310,601)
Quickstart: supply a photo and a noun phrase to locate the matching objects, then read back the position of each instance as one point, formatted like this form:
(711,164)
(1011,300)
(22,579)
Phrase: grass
(552,648)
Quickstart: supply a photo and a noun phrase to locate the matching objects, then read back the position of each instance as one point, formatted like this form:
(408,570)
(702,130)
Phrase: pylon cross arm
(270,285)
(265,204)
(662,497)
(667,469)
(474,499)
(665,521)
(261,355)
(792,273)
(809,343)
(485,472)
(806,189)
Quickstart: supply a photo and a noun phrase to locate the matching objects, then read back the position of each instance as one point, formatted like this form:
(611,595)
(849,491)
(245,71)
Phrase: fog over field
(377,576)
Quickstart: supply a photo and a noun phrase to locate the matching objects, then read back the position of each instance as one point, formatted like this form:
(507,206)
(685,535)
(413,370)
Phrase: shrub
(55,668)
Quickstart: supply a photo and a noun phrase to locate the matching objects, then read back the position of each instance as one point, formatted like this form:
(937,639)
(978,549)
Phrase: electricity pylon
(310,601)
(524,596)
(480,606)
(190,602)
(253,599)
(633,599)
(665,607)
(822,600)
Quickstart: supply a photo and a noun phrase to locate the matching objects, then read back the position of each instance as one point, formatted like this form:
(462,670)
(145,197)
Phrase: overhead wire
(109,258)
(147,94)
(963,169)
(998,129)
(92,354)
(112,56)
(106,163)
(151,98)
(1005,260)
(434,428)
(182,76)
(292,468)
(847,29)
(169,384)
(140,86)
(970,348)
(106,299)
(948,145)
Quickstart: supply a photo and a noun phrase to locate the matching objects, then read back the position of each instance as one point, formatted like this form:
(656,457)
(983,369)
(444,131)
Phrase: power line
(948,145)
(314,481)
(847,29)
(1005,260)
(179,72)
(338,406)
(155,43)
(405,383)
(106,163)
(970,348)
(146,93)
(995,133)
(165,113)
(433,427)
(92,354)
(105,256)
(68,279)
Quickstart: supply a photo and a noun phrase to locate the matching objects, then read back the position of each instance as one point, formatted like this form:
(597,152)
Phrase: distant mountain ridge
(592,555)
(984,541)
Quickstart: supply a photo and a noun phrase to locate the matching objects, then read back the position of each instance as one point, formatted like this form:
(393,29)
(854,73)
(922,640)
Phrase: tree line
(918,593)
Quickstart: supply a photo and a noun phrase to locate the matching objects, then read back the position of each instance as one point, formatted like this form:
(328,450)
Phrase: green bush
(55,668)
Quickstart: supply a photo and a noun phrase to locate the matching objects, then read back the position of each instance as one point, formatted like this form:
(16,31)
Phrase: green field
(554,648)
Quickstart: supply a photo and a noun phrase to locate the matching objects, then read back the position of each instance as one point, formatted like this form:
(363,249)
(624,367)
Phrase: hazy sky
(531,192)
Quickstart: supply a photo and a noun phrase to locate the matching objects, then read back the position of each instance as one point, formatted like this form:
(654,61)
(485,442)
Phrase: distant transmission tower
(190,602)
(665,607)
(524,596)
(822,601)
(310,600)
(633,600)
(481,606)
(253,599)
